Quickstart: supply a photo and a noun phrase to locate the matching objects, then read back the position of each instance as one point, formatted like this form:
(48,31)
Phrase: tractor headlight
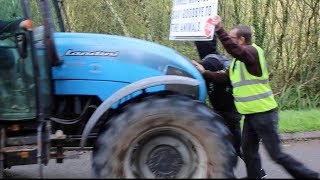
(184,89)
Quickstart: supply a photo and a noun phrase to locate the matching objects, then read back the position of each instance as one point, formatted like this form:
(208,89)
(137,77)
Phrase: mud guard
(127,90)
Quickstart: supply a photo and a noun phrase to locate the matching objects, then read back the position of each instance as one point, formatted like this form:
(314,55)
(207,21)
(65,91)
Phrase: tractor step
(17,149)
(20,155)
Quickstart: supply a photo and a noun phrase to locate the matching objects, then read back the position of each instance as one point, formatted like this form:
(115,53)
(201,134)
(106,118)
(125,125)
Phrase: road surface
(79,164)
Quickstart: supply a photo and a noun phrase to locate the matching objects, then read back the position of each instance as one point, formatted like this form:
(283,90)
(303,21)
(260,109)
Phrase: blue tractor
(138,105)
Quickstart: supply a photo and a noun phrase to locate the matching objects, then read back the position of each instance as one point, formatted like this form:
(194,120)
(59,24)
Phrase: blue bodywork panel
(90,60)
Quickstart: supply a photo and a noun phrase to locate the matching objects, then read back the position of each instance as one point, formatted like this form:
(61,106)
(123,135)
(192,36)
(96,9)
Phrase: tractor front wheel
(165,137)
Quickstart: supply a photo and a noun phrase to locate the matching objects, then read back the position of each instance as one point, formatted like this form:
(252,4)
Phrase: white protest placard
(192,19)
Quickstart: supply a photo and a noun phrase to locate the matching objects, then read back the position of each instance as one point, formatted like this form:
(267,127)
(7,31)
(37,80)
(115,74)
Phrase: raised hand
(217,22)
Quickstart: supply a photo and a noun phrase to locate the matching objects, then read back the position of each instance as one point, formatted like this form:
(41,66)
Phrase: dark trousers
(263,126)
(232,120)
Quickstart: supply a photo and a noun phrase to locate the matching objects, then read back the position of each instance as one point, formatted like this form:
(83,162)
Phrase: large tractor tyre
(165,137)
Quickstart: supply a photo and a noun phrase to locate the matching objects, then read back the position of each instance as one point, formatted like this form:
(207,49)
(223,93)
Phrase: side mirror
(21,42)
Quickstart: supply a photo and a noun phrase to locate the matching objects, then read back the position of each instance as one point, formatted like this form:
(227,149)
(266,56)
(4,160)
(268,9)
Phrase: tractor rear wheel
(165,137)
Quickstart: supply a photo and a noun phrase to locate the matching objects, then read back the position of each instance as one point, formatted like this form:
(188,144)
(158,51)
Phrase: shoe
(263,174)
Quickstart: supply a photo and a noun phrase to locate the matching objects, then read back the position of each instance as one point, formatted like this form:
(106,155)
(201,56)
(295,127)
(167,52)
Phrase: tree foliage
(288,31)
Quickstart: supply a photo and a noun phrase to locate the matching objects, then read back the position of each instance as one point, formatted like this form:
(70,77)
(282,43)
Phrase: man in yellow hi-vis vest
(254,99)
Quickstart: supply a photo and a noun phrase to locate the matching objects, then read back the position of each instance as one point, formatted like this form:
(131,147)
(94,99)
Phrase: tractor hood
(91,56)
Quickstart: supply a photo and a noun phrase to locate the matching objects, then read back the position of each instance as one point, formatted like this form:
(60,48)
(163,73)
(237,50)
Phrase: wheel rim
(164,161)
(165,152)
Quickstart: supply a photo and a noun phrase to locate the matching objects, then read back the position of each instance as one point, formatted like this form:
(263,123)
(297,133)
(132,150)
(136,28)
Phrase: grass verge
(292,121)
(299,121)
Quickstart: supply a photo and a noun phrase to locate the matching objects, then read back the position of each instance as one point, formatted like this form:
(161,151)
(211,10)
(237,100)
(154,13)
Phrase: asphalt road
(307,152)
(78,165)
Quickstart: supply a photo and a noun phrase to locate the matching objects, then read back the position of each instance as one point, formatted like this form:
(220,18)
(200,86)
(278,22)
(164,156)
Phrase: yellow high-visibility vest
(252,94)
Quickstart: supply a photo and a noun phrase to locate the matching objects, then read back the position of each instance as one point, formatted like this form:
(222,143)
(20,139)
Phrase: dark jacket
(220,94)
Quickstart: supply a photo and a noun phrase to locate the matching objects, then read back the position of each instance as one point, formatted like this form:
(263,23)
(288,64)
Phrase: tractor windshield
(17,92)
(26,56)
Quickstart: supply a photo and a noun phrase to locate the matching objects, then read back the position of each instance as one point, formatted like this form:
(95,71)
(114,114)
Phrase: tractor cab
(24,65)
(17,84)
(25,83)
